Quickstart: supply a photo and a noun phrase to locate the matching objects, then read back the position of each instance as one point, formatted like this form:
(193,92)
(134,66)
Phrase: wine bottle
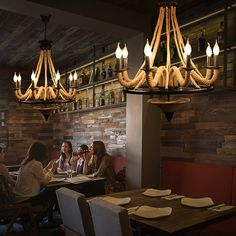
(202,41)
(220,34)
(103,72)
(110,71)
(102,97)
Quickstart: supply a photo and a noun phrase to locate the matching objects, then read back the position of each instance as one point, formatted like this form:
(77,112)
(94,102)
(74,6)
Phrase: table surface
(182,218)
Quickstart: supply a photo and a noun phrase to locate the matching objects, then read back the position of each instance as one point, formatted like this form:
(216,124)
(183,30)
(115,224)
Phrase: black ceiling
(77,26)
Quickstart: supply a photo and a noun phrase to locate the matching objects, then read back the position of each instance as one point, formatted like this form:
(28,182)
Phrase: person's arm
(105,163)
(5,173)
(88,165)
(41,174)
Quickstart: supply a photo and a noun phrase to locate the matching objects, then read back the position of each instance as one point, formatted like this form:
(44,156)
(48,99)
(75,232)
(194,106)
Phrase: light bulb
(209,50)
(33,77)
(75,76)
(118,51)
(187,48)
(58,75)
(125,52)
(216,49)
(70,77)
(147,50)
(15,78)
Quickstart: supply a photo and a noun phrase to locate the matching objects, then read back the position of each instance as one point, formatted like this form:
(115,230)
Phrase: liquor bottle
(110,71)
(220,34)
(112,97)
(202,41)
(80,103)
(103,72)
(102,97)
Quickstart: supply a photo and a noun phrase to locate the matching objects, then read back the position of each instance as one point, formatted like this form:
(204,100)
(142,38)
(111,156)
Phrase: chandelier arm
(51,68)
(38,92)
(39,68)
(39,65)
(205,81)
(153,82)
(126,81)
(176,73)
(67,95)
(45,75)
(141,81)
(21,96)
(51,93)
(157,35)
(177,36)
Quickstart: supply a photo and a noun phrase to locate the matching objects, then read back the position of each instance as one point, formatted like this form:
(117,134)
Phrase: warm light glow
(15,78)
(58,75)
(118,51)
(33,77)
(19,78)
(125,52)
(209,50)
(187,48)
(147,50)
(70,77)
(216,49)
(75,76)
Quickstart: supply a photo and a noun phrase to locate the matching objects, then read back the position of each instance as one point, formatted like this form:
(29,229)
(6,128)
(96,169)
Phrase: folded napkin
(152,212)
(78,179)
(172,196)
(221,207)
(53,179)
(151,192)
(197,202)
(117,201)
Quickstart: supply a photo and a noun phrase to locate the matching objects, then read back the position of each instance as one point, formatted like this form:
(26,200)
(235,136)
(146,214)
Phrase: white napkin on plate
(151,192)
(117,201)
(152,212)
(197,202)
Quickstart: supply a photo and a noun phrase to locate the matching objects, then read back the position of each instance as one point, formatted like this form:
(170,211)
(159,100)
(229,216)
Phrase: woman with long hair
(32,172)
(64,160)
(100,164)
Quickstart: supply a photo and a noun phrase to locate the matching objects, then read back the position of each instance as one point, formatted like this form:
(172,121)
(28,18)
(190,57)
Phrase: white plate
(151,192)
(117,201)
(197,202)
(152,212)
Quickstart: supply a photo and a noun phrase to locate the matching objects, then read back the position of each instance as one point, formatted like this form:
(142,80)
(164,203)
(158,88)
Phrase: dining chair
(109,219)
(75,213)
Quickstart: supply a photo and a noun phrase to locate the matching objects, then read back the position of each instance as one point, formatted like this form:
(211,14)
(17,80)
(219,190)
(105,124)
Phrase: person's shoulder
(35,164)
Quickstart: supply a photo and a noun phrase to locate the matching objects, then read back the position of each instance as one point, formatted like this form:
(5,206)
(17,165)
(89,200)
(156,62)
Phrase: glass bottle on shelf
(86,99)
(103,72)
(220,34)
(102,96)
(112,97)
(75,105)
(97,98)
(80,103)
(110,71)
(202,40)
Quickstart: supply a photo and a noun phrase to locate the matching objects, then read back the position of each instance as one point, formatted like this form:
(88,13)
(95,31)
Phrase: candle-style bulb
(147,50)
(15,78)
(58,76)
(75,76)
(125,52)
(208,50)
(19,78)
(187,48)
(216,49)
(33,77)
(70,77)
(118,51)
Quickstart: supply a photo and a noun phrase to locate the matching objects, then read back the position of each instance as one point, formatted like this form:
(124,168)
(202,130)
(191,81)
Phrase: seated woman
(78,161)
(64,160)
(4,170)
(33,174)
(99,164)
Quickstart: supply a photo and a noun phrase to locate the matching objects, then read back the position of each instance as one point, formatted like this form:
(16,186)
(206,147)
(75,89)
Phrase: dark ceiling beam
(63,17)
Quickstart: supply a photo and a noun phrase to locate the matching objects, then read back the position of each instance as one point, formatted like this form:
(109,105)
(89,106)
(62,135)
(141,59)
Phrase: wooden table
(183,218)
(92,187)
